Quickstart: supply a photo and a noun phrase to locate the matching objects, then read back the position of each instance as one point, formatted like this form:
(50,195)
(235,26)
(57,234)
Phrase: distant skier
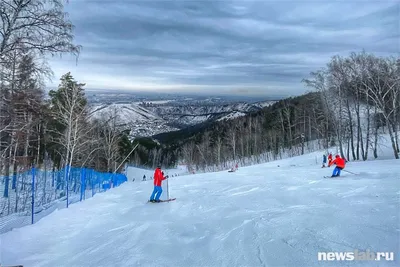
(329,159)
(144,177)
(233,169)
(158,178)
(340,164)
(323,161)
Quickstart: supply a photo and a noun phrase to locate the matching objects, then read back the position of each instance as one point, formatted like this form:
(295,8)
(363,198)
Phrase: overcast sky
(236,47)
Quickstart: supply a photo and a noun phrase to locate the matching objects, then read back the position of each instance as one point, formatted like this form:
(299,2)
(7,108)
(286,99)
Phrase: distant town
(127,97)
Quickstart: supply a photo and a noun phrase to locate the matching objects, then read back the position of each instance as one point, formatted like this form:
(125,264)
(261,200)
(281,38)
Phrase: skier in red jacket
(340,164)
(158,178)
(329,159)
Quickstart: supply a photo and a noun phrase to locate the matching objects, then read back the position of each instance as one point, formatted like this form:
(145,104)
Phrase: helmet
(337,156)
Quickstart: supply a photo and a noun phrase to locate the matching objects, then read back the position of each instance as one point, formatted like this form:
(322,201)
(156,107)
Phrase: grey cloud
(230,43)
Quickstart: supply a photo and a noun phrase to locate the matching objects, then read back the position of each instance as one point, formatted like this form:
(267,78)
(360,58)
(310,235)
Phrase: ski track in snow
(258,216)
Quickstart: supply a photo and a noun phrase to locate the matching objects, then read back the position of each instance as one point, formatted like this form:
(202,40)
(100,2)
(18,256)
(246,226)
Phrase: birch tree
(70,113)
(218,144)
(232,138)
(111,133)
(39,25)
(382,83)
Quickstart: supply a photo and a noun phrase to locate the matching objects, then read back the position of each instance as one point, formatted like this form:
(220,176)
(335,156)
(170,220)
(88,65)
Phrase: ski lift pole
(126,158)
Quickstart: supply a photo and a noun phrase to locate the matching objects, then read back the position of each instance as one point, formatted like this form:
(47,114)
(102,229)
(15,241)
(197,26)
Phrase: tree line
(286,128)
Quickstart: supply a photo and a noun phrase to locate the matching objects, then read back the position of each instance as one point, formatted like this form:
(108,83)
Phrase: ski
(166,200)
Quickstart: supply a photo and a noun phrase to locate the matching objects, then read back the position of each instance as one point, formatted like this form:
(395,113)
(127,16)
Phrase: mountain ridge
(149,118)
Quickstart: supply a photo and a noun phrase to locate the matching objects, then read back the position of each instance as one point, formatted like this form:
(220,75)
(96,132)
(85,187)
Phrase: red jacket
(339,162)
(158,177)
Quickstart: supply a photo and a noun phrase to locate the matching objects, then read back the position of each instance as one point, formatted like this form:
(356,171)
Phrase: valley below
(147,115)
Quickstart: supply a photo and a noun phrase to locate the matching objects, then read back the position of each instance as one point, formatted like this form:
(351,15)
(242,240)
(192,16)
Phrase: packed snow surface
(263,215)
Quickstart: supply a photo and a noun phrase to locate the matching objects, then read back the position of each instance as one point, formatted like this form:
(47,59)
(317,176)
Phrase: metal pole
(126,158)
(33,193)
(67,181)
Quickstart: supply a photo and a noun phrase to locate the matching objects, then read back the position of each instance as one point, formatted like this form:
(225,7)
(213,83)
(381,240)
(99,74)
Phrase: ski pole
(350,172)
(167,189)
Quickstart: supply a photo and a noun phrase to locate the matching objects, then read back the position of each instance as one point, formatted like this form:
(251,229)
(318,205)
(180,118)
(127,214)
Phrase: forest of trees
(361,98)
(353,102)
(284,128)
(55,129)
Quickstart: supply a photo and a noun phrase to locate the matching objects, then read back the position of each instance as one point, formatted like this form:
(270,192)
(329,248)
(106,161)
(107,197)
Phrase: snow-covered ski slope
(262,215)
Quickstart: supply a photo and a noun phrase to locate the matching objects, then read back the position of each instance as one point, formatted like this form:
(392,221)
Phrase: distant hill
(149,118)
